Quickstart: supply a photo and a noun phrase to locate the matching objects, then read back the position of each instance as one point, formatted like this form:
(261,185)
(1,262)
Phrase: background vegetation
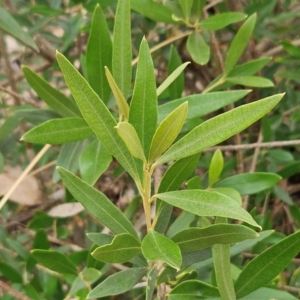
(255,48)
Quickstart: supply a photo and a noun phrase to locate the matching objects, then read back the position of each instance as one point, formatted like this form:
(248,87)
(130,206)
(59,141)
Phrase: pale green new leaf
(267,265)
(219,128)
(97,204)
(194,239)
(156,246)
(252,81)
(206,203)
(122,249)
(52,96)
(118,283)
(239,43)
(99,54)
(221,259)
(215,167)
(121,101)
(122,56)
(167,131)
(143,106)
(198,48)
(94,161)
(171,78)
(202,104)
(10,25)
(128,134)
(97,116)
(220,21)
(58,131)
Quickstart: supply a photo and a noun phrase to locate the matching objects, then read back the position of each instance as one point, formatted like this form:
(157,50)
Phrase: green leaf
(234,250)
(239,43)
(250,183)
(176,87)
(58,131)
(121,101)
(171,78)
(267,265)
(168,131)
(253,81)
(68,157)
(194,239)
(53,97)
(118,283)
(152,10)
(198,48)
(10,273)
(183,221)
(122,249)
(55,261)
(222,20)
(122,56)
(202,104)
(215,167)
(97,116)
(289,170)
(8,126)
(290,48)
(221,258)
(143,106)
(196,10)
(151,280)
(99,54)
(206,203)
(267,294)
(249,68)
(100,239)
(10,25)
(186,6)
(171,181)
(97,204)
(128,134)
(156,246)
(219,128)
(193,290)
(94,160)
(230,192)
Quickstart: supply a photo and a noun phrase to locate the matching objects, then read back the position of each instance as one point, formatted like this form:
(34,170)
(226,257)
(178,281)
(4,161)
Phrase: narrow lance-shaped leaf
(122,56)
(239,43)
(94,161)
(207,203)
(99,54)
(118,283)
(52,96)
(151,280)
(55,261)
(171,181)
(122,249)
(186,6)
(220,21)
(97,204)
(167,131)
(253,81)
(194,239)
(128,134)
(10,25)
(267,265)
(97,116)
(143,107)
(171,78)
(198,48)
(121,101)
(215,167)
(219,128)
(58,131)
(156,246)
(197,10)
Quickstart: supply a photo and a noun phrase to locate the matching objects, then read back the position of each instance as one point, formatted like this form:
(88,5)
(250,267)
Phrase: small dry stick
(23,175)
